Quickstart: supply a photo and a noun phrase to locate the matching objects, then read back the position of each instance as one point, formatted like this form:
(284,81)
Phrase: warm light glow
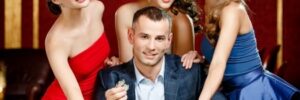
(12,23)
(35,24)
(2,80)
(279,32)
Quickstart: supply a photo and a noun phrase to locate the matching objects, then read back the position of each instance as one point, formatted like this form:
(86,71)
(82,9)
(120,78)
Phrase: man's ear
(170,38)
(130,35)
(57,2)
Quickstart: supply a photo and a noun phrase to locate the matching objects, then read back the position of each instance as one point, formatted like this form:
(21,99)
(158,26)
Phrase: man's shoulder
(111,75)
(175,61)
(117,68)
(172,57)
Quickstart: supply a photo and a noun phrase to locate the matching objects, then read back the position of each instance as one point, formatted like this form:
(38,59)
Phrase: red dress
(85,66)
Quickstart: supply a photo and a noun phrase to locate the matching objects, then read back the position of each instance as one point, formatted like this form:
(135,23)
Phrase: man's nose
(151,45)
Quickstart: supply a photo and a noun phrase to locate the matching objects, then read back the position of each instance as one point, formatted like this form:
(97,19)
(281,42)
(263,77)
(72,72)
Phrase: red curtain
(262,12)
(27,25)
(291,35)
(109,22)
(46,19)
(263,15)
(1,24)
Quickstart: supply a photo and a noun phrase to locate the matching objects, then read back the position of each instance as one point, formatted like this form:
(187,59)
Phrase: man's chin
(150,63)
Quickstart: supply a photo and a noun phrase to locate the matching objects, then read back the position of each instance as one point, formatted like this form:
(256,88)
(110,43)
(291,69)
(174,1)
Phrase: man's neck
(150,72)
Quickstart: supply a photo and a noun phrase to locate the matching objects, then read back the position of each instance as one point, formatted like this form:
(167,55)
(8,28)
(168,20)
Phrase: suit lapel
(171,79)
(130,79)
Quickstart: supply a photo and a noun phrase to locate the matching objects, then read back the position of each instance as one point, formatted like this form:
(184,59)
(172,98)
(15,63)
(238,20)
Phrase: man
(150,75)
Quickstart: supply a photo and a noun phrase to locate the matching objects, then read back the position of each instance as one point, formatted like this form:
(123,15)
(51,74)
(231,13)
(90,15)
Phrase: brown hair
(191,8)
(212,19)
(153,13)
(54,8)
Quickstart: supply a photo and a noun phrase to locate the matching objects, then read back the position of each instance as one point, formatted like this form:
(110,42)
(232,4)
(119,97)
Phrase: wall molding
(279,32)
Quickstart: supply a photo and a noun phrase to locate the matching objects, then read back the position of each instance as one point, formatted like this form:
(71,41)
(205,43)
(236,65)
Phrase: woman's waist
(82,70)
(237,68)
(241,80)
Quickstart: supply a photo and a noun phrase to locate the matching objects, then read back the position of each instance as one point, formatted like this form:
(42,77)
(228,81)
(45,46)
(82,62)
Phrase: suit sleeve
(100,87)
(200,77)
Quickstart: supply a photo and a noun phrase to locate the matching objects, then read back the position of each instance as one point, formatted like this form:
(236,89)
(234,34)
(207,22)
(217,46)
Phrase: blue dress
(244,77)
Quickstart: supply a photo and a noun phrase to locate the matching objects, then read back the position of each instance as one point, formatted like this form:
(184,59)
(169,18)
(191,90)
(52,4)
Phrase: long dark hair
(191,8)
(54,8)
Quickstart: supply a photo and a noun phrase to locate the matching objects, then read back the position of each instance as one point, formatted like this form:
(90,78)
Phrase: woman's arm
(123,21)
(230,25)
(183,35)
(57,52)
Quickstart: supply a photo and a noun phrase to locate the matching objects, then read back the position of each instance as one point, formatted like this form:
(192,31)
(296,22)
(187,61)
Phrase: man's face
(150,40)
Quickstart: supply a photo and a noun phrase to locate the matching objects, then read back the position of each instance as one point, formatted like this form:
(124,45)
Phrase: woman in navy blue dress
(230,47)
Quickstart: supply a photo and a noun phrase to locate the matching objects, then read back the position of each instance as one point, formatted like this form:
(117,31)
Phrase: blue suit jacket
(179,83)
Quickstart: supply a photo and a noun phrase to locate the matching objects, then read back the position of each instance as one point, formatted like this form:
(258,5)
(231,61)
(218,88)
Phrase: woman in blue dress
(230,47)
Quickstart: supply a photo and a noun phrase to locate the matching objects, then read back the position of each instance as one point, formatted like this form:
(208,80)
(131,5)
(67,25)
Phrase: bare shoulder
(182,20)
(127,9)
(124,14)
(56,40)
(234,9)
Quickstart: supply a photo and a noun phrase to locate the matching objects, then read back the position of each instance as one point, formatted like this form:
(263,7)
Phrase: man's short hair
(153,13)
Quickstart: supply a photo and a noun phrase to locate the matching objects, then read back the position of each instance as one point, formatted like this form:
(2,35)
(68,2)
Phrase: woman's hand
(113,61)
(191,57)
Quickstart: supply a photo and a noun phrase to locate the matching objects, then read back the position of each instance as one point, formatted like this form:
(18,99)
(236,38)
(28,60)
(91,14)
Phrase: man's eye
(160,38)
(145,36)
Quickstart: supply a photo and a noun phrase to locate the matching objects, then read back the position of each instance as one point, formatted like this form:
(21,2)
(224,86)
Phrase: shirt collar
(140,77)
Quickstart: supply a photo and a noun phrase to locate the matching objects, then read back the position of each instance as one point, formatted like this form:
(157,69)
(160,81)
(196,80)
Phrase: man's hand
(116,93)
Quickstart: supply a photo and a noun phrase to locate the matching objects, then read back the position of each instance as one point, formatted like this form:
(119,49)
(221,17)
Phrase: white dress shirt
(145,89)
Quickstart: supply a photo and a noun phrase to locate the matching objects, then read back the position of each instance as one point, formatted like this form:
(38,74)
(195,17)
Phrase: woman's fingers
(191,57)
(187,59)
(183,59)
(116,60)
(113,61)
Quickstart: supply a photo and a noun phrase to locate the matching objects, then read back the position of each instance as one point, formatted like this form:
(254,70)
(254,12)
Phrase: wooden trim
(279,31)
(35,24)
(12,24)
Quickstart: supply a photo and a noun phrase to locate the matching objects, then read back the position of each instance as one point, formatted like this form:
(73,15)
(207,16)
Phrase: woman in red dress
(76,48)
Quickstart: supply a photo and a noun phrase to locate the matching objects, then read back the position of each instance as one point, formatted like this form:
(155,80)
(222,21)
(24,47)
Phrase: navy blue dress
(244,77)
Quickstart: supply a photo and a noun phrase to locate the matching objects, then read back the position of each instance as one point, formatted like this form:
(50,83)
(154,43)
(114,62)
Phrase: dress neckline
(88,49)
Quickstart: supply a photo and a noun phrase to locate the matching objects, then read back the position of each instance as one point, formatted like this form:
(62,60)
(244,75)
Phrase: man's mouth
(150,55)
